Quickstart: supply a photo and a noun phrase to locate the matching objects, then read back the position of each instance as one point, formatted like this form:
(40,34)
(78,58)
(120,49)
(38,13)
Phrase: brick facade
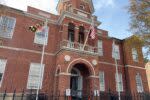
(21,50)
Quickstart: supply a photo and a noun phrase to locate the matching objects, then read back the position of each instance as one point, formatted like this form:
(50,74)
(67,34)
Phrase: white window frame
(41,74)
(7,34)
(41,40)
(134,55)
(100,47)
(119,82)
(3,63)
(139,84)
(102,83)
(115,52)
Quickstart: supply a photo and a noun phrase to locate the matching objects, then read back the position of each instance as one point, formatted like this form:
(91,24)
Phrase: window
(100,47)
(69,7)
(134,55)
(71,32)
(41,36)
(115,51)
(71,27)
(119,83)
(7,25)
(81,35)
(139,84)
(2,69)
(35,77)
(82,7)
(102,81)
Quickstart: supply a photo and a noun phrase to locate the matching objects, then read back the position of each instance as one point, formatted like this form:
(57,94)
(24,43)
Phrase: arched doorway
(79,81)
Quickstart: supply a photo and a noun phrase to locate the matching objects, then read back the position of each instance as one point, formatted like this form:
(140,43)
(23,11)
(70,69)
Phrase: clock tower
(74,5)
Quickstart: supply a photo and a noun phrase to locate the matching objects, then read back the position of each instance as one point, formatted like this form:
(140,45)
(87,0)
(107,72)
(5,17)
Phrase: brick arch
(87,64)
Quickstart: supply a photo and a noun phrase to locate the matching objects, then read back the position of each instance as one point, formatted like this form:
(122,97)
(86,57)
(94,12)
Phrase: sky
(112,13)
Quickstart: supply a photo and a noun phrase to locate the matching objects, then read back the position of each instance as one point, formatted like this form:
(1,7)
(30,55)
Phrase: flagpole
(42,58)
(85,41)
(88,35)
(117,73)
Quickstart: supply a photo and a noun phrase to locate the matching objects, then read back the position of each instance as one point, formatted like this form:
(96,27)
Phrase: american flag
(92,33)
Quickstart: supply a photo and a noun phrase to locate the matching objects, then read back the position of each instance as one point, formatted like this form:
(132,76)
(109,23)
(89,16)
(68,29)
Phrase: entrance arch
(87,64)
(79,80)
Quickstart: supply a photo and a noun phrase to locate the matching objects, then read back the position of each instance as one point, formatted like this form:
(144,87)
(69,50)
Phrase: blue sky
(112,13)
(114,17)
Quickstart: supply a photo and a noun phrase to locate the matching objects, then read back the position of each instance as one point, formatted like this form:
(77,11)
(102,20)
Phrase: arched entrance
(79,81)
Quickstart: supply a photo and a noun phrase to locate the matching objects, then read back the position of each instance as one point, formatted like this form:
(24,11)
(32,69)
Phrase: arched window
(81,34)
(71,32)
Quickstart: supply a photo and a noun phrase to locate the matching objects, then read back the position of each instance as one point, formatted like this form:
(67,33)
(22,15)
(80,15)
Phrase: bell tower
(75,5)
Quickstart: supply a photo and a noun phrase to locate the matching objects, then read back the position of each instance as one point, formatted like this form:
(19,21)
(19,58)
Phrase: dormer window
(82,7)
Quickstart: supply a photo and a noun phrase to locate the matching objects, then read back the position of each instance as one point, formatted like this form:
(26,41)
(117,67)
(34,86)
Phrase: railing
(79,47)
(75,95)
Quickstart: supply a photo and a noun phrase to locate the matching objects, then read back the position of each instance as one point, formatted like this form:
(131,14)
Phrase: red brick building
(66,64)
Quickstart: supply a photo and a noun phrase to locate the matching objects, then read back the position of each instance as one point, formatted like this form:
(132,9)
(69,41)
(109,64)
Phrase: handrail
(65,44)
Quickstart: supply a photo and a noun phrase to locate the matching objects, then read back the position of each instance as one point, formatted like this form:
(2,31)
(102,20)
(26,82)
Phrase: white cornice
(40,17)
(76,17)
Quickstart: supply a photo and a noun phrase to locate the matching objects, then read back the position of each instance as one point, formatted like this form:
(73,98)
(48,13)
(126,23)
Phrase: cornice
(76,17)
(40,17)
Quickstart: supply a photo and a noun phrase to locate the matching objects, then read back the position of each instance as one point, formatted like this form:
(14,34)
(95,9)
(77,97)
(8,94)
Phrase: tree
(140,21)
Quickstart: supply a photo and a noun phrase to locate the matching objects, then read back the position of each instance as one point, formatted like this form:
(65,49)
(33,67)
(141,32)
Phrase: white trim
(92,76)
(120,80)
(41,76)
(76,17)
(79,59)
(107,63)
(40,17)
(26,50)
(138,67)
(77,70)
(10,34)
(63,73)
(102,88)
(138,76)
(81,11)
